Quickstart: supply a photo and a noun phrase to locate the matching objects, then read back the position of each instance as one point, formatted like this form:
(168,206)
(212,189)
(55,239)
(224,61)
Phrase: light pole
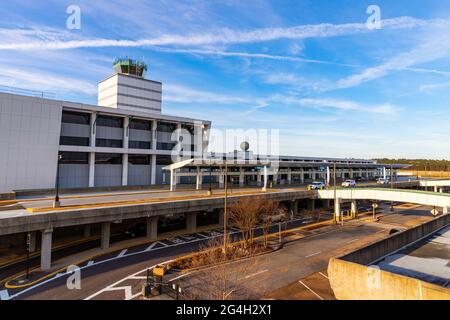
(225,213)
(210,182)
(392,186)
(28,253)
(56,204)
(335,192)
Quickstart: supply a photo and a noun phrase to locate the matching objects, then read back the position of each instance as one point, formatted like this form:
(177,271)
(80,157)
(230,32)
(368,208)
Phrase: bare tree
(245,214)
(271,212)
(222,277)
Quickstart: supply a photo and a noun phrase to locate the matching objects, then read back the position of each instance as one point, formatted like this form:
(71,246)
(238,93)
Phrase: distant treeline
(420,164)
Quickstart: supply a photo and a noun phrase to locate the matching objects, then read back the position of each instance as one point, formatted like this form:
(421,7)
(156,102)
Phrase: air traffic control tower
(128,89)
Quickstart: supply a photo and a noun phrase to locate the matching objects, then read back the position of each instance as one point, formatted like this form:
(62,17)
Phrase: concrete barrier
(352,281)
(378,250)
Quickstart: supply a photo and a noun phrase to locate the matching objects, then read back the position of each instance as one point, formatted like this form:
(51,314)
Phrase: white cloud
(348,105)
(223,36)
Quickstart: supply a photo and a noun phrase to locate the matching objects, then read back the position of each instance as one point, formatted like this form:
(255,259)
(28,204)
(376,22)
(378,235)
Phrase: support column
(328,176)
(337,208)
(384,173)
(289,176)
(302,176)
(154,134)
(265,178)
(241,177)
(125,169)
(293,208)
(445,210)
(258,179)
(91,169)
(354,208)
(326,204)
(173,180)
(152,228)
(87,230)
(191,221)
(199,179)
(435,189)
(221,178)
(126,132)
(106,232)
(441,190)
(93,129)
(153,169)
(33,235)
(311,204)
(221,217)
(46,250)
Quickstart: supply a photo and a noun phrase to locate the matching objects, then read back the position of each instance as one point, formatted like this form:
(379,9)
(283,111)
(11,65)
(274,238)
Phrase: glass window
(73,141)
(139,144)
(166,127)
(138,159)
(138,124)
(108,143)
(108,121)
(75,117)
(108,158)
(73,157)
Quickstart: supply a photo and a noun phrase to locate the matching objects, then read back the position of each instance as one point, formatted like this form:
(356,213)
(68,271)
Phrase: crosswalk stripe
(122,253)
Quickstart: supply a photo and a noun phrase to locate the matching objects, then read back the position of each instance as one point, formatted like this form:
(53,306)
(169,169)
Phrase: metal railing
(28,92)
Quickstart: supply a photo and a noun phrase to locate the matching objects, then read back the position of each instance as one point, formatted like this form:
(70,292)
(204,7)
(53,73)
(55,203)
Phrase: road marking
(134,296)
(310,290)
(352,240)
(138,278)
(255,274)
(150,247)
(202,235)
(90,263)
(323,275)
(313,254)
(165,244)
(122,253)
(4,295)
(381,231)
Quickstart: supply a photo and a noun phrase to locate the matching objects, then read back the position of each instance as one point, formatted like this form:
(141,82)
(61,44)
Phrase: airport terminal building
(125,140)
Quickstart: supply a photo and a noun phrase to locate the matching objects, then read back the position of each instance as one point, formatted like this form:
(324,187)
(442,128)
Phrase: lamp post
(210,182)
(225,213)
(335,192)
(28,253)
(392,185)
(56,203)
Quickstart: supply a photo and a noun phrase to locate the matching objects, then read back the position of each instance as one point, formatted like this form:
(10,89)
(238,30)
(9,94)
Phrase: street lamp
(392,186)
(210,182)
(225,213)
(56,203)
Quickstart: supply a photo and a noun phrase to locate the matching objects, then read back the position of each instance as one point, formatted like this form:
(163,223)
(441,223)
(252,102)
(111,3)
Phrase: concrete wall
(384,247)
(73,175)
(139,175)
(352,281)
(108,175)
(29,140)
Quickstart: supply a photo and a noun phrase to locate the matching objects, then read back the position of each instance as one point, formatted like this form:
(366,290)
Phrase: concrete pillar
(445,210)
(311,204)
(302,177)
(126,132)
(221,178)
(337,208)
(191,221)
(313,174)
(154,134)
(326,204)
(173,180)
(289,176)
(354,208)
(241,177)
(199,179)
(33,235)
(221,217)
(435,189)
(46,249)
(93,129)
(87,230)
(328,178)
(384,172)
(293,208)
(153,169)
(125,169)
(265,178)
(152,228)
(106,232)
(91,169)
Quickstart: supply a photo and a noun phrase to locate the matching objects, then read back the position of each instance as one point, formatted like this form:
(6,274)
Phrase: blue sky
(311,69)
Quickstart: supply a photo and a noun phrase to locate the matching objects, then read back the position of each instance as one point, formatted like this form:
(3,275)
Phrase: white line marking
(313,254)
(352,240)
(180,276)
(4,295)
(255,274)
(138,278)
(122,253)
(166,245)
(310,290)
(90,263)
(202,235)
(150,247)
(134,296)
(323,275)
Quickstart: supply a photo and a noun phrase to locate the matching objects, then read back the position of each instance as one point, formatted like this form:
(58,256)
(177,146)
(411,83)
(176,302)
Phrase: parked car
(360,179)
(349,183)
(316,185)
(138,230)
(382,181)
